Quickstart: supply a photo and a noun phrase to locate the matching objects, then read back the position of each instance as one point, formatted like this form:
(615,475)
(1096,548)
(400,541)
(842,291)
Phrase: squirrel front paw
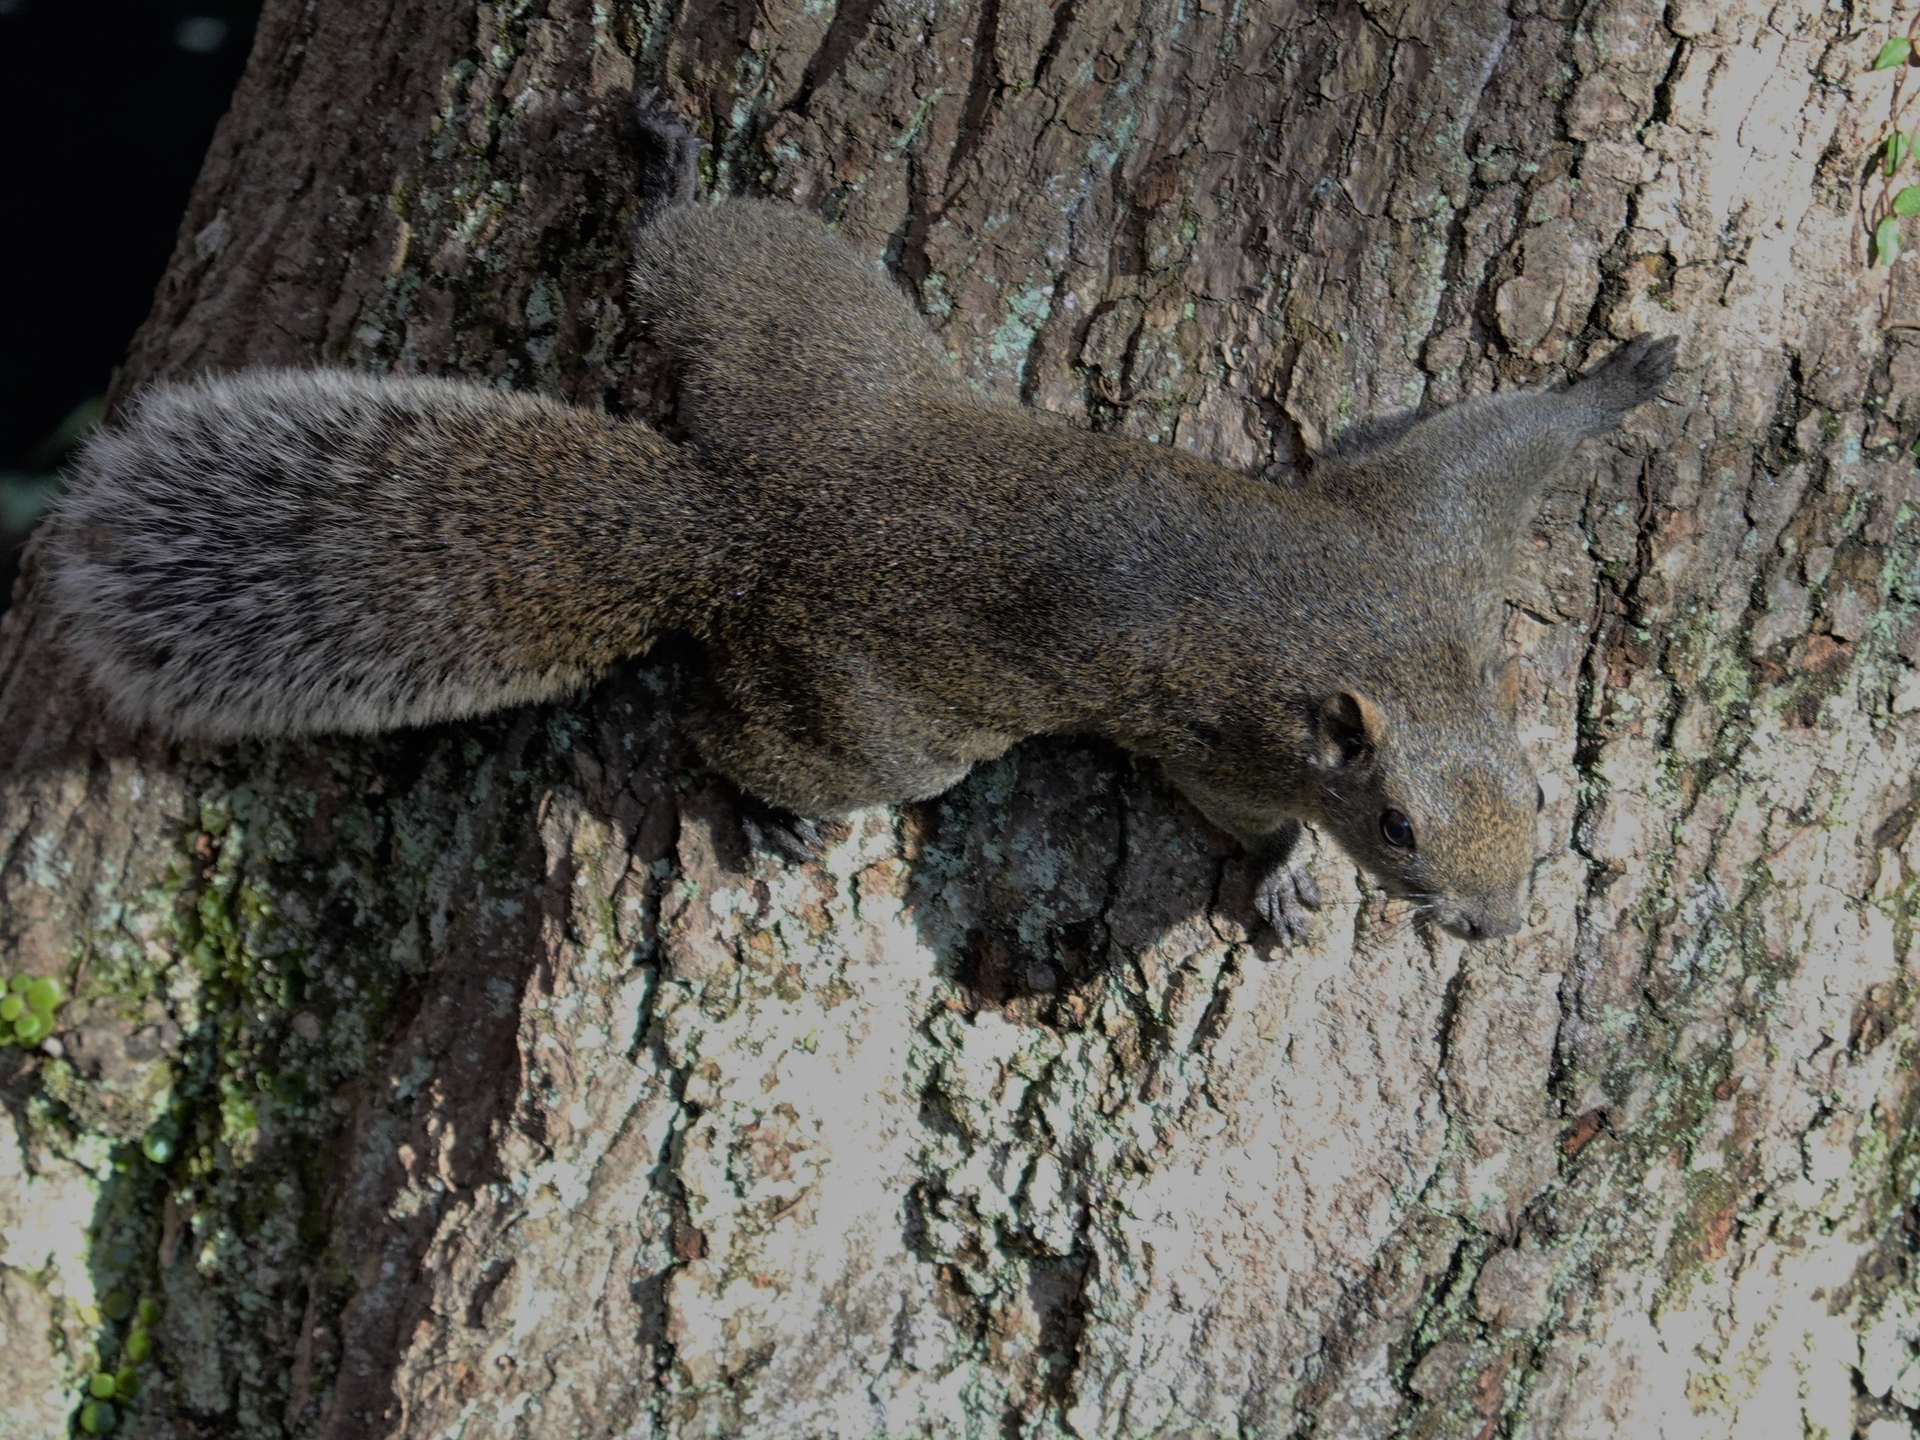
(1286,896)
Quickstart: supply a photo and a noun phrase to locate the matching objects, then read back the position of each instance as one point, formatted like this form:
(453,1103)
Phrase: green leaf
(32,1027)
(1886,240)
(1899,146)
(1894,52)
(1907,201)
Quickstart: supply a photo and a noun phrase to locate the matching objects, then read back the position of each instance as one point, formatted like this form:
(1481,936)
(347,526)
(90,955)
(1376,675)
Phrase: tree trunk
(496,1083)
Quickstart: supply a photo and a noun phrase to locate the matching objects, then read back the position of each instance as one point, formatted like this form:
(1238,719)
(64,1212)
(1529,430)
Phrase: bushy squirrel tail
(288,552)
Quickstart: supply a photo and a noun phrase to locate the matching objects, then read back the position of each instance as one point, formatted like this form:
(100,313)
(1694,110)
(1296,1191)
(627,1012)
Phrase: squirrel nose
(1490,925)
(1480,924)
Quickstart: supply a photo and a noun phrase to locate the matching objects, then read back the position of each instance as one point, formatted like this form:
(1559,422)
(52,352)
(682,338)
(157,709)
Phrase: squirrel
(891,577)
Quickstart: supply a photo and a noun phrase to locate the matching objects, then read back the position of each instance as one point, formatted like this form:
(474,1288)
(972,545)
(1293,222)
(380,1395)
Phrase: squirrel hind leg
(800,839)
(821,771)
(666,148)
(1627,379)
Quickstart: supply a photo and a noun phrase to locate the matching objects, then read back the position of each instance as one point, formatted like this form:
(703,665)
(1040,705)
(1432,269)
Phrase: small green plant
(99,1415)
(1897,196)
(27,1006)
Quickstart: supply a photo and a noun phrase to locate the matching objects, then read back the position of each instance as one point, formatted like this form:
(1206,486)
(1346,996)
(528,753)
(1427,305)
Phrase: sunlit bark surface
(506,1087)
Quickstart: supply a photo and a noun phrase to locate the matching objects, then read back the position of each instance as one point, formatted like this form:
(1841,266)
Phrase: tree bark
(505,1086)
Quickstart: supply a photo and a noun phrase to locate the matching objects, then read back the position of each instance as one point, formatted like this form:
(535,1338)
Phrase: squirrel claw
(1286,897)
(668,151)
(802,841)
(1633,374)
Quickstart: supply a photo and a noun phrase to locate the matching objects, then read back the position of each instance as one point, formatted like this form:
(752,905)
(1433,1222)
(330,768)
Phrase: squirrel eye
(1396,830)
(1539,797)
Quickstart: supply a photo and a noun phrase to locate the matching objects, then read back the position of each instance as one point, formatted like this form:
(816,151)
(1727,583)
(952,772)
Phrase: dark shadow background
(106,108)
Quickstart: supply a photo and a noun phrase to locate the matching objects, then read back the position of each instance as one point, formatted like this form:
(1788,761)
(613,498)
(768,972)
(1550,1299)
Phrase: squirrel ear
(1349,726)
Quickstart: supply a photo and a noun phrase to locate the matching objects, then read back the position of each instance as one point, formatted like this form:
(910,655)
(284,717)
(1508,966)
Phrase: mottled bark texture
(513,1086)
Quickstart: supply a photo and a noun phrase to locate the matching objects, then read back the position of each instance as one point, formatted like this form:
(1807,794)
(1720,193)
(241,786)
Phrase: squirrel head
(1436,800)
(1424,785)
